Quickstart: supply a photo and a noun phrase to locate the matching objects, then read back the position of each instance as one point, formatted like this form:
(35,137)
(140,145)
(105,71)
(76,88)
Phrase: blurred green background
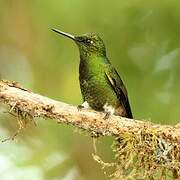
(143,43)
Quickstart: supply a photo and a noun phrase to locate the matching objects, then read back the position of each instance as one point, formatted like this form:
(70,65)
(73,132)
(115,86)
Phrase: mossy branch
(134,138)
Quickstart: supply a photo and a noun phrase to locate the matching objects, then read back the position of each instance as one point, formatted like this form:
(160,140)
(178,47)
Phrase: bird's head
(88,44)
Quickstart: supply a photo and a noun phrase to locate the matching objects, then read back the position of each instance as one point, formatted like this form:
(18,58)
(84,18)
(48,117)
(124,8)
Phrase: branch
(33,105)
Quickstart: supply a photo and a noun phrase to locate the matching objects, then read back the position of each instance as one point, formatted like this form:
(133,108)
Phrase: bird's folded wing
(119,88)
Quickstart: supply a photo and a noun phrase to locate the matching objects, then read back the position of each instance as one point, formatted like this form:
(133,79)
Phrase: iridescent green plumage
(101,86)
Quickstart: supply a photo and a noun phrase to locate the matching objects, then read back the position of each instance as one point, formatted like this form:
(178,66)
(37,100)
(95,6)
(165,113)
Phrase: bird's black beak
(64,34)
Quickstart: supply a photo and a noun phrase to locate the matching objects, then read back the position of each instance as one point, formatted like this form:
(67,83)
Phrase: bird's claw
(83,105)
(79,107)
(107,115)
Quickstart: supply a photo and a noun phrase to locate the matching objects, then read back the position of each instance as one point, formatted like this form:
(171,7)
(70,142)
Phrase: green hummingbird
(101,86)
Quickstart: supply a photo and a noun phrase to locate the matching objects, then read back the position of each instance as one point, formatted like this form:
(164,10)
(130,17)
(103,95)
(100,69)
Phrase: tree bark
(145,148)
(27,103)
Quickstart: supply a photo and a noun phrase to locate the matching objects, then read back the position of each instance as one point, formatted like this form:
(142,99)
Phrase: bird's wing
(119,88)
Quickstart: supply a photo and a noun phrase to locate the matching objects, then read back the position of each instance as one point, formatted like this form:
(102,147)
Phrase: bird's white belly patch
(108,109)
(85,104)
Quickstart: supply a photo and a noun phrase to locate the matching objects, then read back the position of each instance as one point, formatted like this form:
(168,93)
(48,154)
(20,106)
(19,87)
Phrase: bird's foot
(79,107)
(107,115)
(109,110)
(83,105)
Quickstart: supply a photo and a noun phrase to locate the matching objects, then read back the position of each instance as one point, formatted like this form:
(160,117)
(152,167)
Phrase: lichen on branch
(143,149)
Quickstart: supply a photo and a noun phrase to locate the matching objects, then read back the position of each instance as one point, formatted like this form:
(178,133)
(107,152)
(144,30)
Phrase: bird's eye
(89,41)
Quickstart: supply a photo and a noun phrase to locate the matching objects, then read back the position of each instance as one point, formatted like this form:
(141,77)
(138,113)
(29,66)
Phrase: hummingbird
(101,86)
